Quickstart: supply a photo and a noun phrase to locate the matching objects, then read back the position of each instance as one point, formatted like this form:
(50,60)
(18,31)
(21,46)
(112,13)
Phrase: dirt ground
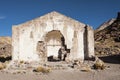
(110,73)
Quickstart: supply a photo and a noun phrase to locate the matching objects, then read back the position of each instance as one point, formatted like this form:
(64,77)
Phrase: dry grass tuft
(99,64)
(21,62)
(2,66)
(86,68)
(42,69)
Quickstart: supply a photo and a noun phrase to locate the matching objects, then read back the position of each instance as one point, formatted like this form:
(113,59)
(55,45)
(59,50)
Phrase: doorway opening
(54,42)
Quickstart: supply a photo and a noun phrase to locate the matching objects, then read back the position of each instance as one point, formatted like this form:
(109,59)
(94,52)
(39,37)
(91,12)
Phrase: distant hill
(107,38)
(5,46)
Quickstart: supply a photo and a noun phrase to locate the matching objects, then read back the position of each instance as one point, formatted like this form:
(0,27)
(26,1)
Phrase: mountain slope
(107,40)
(5,46)
(105,24)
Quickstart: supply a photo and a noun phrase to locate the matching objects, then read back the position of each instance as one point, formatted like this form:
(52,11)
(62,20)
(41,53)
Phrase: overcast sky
(91,12)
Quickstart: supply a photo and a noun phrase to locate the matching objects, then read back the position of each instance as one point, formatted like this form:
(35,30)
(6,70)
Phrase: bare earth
(112,73)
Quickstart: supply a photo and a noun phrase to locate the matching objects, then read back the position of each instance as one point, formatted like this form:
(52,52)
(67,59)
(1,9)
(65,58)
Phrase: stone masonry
(38,39)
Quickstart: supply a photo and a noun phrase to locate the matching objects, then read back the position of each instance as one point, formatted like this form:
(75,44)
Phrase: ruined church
(49,36)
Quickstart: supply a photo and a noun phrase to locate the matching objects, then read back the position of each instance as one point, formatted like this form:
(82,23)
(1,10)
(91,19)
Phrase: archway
(54,40)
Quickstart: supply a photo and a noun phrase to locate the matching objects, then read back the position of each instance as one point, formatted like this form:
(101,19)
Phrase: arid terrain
(110,73)
(107,48)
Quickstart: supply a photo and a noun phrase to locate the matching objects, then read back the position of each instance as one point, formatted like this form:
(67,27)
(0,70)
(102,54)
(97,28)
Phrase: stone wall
(26,36)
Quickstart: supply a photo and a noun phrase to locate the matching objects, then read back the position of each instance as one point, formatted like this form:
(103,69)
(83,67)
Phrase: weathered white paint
(80,47)
(90,42)
(53,50)
(26,36)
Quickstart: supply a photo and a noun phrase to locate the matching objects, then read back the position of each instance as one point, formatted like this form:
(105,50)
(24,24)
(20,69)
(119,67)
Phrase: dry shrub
(86,68)
(42,69)
(2,66)
(21,62)
(18,72)
(99,64)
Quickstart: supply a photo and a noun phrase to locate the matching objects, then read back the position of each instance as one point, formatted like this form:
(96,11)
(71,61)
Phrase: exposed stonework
(42,37)
(41,50)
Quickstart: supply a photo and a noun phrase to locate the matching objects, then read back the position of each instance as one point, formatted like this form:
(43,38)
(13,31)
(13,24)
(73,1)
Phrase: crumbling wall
(42,52)
(27,35)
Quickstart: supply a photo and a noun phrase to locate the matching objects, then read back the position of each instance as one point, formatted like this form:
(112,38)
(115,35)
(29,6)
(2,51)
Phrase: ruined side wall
(90,39)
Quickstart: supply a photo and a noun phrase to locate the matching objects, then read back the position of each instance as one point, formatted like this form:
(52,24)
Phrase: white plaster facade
(49,30)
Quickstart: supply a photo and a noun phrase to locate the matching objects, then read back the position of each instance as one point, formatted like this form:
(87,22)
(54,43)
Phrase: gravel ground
(112,73)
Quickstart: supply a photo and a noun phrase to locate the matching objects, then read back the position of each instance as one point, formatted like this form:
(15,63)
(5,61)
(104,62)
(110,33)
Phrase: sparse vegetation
(21,62)
(42,69)
(99,64)
(86,68)
(2,66)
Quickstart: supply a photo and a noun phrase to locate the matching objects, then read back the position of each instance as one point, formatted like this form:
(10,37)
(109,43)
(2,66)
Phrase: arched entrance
(54,41)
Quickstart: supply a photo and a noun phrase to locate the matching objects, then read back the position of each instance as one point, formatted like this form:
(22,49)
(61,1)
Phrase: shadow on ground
(114,59)
(3,59)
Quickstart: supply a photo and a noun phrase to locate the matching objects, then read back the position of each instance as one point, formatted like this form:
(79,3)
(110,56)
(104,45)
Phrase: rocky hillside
(104,25)
(107,38)
(5,47)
